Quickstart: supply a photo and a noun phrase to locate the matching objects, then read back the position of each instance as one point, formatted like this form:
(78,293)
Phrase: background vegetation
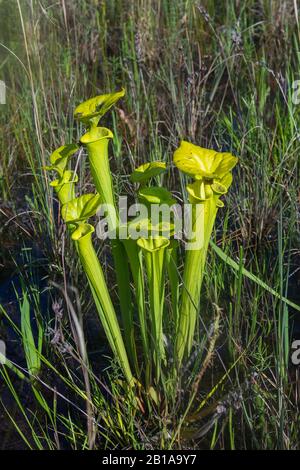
(218,74)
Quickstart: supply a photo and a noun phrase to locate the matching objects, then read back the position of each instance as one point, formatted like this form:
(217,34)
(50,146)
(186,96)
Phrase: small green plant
(145,248)
(32,351)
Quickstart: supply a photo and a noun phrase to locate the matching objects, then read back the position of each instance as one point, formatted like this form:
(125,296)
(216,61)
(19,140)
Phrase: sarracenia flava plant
(212,176)
(153,334)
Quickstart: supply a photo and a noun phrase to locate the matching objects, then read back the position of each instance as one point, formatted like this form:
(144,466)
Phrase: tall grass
(217,75)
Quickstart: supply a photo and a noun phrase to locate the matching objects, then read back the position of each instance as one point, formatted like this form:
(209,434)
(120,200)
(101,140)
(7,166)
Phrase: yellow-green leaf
(156,195)
(60,157)
(92,110)
(201,162)
(81,208)
(146,171)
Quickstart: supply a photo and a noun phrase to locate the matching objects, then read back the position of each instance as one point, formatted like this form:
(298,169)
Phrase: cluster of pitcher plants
(151,327)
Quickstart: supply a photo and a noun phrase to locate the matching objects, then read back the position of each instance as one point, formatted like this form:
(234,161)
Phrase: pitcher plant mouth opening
(91,111)
(83,230)
(95,134)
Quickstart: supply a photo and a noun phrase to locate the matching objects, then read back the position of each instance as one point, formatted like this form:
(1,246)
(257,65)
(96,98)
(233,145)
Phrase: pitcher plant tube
(96,141)
(212,176)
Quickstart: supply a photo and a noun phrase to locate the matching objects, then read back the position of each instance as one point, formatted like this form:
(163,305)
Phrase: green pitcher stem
(134,255)
(123,281)
(172,267)
(65,193)
(192,281)
(154,266)
(107,313)
(96,141)
(65,186)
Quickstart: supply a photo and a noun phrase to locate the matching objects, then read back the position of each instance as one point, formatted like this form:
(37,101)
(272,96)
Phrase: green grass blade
(251,276)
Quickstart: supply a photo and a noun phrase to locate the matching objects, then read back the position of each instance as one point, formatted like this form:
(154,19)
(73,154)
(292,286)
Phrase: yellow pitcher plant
(96,141)
(212,176)
(147,260)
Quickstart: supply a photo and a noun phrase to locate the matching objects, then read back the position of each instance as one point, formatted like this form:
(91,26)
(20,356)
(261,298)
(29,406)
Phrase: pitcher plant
(155,334)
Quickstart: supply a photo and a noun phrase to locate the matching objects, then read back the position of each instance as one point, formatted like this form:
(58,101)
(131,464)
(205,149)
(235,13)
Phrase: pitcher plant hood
(81,208)
(60,157)
(144,172)
(91,111)
(203,163)
(156,195)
